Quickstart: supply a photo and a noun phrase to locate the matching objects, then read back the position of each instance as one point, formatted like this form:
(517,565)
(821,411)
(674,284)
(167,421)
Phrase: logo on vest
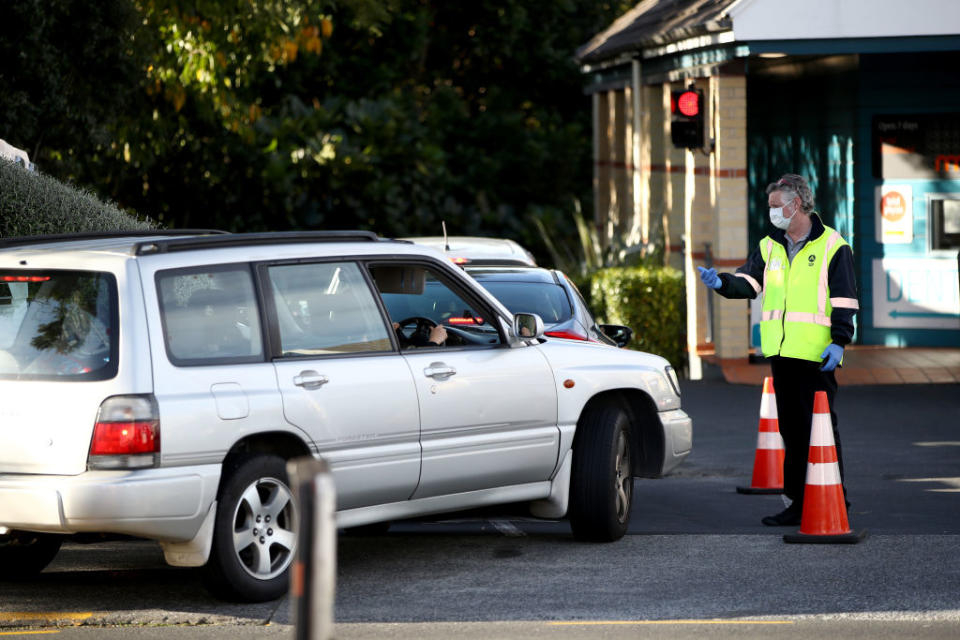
(811,260)
(776,264)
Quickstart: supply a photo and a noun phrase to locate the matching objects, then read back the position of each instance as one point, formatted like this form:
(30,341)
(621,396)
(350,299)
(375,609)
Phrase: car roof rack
(252,239)
(22,241)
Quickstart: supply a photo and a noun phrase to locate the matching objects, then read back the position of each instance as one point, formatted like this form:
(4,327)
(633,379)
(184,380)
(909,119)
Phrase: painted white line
(589,623)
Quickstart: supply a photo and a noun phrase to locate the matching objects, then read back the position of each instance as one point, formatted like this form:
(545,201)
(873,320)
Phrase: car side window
(417,299)
(210,315)
(326,308)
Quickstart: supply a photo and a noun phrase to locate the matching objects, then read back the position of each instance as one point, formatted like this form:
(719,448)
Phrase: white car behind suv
(155,385)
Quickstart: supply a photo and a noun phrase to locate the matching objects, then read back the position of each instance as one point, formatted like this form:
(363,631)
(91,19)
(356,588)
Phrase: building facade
(862,97)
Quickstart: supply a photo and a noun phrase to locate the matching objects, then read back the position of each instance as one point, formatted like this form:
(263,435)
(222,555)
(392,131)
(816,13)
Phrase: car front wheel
(601,486)
(255,535)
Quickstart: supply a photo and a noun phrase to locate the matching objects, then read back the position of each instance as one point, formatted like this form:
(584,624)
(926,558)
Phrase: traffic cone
(824,518)
(768,461)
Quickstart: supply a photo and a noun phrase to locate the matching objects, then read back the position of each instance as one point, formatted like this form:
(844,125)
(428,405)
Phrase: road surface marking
(45,616)
(585,623)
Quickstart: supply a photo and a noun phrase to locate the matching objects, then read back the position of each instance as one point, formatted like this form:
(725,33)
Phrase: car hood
(597,367)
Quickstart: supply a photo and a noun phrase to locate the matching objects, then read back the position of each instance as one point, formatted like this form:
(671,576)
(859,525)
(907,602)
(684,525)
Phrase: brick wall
(688,199)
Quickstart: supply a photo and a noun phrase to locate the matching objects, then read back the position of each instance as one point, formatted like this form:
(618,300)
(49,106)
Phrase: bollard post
(313,574)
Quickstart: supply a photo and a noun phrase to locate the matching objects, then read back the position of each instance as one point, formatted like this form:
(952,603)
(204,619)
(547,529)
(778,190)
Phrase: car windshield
(547,300)
(57,325)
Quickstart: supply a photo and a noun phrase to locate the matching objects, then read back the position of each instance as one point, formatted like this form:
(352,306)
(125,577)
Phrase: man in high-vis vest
(804,273)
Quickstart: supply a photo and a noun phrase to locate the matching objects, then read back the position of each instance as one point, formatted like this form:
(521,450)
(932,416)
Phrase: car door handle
(310,380)
(439,370)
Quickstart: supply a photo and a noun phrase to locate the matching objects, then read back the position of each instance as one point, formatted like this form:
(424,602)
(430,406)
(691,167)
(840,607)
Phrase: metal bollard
(313,574)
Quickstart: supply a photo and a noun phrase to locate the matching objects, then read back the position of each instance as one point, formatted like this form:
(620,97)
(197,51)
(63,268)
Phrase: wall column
(731,317)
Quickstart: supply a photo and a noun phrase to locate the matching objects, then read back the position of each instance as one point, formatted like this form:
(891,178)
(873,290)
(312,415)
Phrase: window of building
(945,223)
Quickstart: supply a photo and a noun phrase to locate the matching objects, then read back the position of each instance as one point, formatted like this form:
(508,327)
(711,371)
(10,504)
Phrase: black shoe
(789,517)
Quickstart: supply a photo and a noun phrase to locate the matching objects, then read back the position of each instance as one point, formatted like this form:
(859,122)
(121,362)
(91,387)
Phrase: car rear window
(58,325)
(549,301)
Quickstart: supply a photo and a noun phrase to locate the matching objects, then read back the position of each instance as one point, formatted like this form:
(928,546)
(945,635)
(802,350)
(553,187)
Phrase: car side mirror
(528,326)
(620,334)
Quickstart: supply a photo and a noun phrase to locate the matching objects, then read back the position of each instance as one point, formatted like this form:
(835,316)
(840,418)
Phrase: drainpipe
(708,263)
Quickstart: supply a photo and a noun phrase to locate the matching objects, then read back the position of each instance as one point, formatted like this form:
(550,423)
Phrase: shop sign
(895,214)
(916,293)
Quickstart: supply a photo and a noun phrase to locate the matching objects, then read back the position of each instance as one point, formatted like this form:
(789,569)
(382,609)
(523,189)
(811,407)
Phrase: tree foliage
(389,115)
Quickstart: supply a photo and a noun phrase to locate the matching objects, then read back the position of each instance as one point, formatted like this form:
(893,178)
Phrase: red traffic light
(688,103)
(686,121)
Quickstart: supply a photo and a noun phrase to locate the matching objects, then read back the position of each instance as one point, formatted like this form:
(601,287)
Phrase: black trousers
(795,382)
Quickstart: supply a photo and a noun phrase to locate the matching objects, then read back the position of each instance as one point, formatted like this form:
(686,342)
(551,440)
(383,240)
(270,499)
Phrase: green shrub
(36,204)
(648,300)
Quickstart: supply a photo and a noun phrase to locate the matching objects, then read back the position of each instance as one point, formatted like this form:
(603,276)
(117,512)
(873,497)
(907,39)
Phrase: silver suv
(155,386)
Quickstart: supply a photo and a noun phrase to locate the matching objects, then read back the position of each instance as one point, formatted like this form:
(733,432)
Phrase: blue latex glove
(831,357)
(710,278)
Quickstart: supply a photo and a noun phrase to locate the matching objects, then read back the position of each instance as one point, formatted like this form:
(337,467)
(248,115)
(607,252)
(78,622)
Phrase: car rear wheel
(255,534)
(24,554)
(601,485)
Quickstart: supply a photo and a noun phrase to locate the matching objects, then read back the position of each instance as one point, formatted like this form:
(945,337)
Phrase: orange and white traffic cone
(768,461)
(824,518)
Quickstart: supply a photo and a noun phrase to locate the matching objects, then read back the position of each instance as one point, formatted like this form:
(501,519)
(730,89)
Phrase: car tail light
(126,434)
(566,335)
(460,260)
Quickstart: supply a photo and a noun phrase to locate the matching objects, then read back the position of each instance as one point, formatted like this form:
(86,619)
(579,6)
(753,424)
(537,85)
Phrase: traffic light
(686,118)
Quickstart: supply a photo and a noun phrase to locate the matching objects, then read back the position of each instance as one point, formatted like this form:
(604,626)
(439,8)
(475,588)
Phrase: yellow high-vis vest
(795,321)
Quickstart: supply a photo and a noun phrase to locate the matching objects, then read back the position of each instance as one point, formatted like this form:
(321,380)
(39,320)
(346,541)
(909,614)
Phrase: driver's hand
(438,335)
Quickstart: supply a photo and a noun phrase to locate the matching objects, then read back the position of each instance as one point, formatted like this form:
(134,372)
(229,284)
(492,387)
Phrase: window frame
(270,310)
(446,276)
(931,198)
(212,268)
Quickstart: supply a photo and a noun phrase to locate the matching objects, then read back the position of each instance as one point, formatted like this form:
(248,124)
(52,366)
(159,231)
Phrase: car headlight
(674,381)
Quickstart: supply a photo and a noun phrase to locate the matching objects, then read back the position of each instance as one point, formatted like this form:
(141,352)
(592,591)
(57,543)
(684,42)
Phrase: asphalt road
(697,562)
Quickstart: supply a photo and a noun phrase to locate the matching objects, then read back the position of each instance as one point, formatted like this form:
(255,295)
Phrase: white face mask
(777,219)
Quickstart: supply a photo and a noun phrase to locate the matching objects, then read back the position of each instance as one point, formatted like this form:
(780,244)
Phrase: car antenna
(446,245)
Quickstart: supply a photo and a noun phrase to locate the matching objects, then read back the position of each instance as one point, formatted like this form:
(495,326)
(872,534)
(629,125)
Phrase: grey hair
(792,186)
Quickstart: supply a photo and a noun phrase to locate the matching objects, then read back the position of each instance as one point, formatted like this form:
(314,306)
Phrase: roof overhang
(705,34)
(761,20)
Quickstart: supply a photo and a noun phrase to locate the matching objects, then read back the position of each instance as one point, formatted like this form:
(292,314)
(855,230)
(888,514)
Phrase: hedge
(648,300)
(37,204)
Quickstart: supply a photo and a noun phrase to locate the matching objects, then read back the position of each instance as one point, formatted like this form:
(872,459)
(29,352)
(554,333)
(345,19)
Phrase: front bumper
(162,504)
(677,438)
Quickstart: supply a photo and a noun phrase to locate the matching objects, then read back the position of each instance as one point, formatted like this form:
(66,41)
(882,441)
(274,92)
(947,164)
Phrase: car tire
(24,554)
(255,532)
(601,483)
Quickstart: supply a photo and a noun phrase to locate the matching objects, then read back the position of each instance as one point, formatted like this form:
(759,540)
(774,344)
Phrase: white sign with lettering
(895,214)
(916,293)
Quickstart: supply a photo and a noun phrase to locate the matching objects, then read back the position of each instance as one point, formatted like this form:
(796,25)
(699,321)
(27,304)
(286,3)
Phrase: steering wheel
(471,338)
(422,327)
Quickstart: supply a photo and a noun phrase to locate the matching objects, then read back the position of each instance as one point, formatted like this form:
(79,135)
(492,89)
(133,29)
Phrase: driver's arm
(438,335)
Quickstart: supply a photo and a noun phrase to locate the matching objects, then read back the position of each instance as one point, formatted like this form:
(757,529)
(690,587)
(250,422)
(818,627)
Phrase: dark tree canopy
(271,114)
